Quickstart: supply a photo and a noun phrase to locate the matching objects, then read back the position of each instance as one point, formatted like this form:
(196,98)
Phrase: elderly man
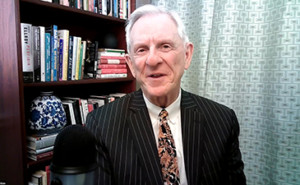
(162,134)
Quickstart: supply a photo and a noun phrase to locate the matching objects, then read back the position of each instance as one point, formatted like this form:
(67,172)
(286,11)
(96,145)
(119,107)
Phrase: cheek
(138,66)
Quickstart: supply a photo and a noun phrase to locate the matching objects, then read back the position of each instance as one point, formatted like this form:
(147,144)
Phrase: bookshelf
(15,95)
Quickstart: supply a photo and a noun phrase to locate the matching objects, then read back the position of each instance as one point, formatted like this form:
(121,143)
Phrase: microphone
(74,157)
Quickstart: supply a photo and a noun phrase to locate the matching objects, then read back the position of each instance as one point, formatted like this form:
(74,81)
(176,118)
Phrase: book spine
(66,54)
(55,54)
(112,75)
(74,58)
(80,61)
(95,59)
(112,61)
(111,66)
(78,58)
(27,52)
(36,54)
(83,58)
(42,150)
(115,8)
(91,5)
(60,60)
(112,71)
(42,52)
(70,60)
(47,57)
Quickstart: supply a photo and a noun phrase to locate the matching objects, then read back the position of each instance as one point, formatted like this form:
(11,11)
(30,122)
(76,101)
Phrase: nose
(153,57)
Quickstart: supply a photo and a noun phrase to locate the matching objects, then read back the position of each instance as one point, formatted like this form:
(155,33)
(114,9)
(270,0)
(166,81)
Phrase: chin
(156,91)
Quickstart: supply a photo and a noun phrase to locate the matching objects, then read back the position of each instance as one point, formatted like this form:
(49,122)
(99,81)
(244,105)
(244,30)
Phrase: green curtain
(247,56)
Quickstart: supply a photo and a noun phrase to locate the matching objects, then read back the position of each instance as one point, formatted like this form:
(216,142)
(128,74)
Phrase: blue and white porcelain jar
(47,114)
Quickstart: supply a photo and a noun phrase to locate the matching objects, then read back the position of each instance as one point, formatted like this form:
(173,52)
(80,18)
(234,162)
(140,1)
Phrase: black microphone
(74,157)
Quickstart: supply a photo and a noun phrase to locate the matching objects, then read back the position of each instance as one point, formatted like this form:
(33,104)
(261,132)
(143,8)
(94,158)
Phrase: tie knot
(163,114)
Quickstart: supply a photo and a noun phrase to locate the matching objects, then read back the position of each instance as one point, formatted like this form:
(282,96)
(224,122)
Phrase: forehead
(155,25)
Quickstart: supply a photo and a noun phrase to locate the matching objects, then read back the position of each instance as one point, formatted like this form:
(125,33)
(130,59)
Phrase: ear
(188,55)
(130,65)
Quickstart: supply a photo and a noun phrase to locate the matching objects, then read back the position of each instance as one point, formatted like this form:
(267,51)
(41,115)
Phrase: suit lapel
(192,135)
(141,131)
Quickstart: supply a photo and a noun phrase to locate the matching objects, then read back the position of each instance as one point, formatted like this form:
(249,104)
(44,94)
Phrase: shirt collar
(173,109)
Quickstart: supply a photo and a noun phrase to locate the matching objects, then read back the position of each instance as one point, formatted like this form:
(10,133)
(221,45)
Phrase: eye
(166,47)
(140,50)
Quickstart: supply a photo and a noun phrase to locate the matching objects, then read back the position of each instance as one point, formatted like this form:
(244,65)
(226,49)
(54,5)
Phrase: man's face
(157,56)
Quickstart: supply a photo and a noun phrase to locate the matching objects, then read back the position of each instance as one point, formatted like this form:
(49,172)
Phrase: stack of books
(111,63)
(40,147)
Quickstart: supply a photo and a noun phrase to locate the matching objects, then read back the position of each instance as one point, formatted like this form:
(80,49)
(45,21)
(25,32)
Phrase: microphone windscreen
(74,151)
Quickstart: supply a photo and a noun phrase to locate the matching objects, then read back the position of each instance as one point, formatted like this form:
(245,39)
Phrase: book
(64,35)
(106,98)
(70,55)
(81,73)
(36,53)
(39,177)
(42,52)
(122,75)
(76,109)
(37,157)
(79,52)
(53,51)
(36,142)
(94,102)
(68,107)
(91,62)
(111,66)
(27,52)
(115,8)
(39,151)
(111,71)
(110,8)
(60,58)
(85,109)
(112,60)
(80,107)
(47,169)
(111,52)
(64,2)
(47,57)
(74,57)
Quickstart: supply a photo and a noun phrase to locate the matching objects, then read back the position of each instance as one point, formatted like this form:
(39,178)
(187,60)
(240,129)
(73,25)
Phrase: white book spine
(42,45)
(74,58)
(27,51)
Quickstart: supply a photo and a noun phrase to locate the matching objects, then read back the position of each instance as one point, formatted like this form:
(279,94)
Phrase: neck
(163,101)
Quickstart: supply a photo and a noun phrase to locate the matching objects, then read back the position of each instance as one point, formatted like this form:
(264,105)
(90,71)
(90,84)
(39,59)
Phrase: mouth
(156,75)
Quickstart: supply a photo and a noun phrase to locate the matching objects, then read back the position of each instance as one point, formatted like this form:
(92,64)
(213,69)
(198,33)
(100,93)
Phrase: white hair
(154,10)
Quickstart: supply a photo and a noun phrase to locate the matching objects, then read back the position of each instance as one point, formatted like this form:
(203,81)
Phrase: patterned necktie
(167,151)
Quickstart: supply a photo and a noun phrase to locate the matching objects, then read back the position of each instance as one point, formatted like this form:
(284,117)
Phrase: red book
(47,169)
(111,66)
(112,61)
(112,71)
(112,57)
(37,157)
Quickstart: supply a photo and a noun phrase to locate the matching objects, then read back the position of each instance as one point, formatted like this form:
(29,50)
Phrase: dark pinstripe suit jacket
(127,152)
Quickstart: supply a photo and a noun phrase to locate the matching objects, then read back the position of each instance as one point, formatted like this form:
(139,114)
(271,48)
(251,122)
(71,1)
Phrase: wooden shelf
(15,95)
(78,82)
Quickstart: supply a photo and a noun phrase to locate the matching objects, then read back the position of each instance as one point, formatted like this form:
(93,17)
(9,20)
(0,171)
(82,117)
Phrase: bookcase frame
(15,95)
